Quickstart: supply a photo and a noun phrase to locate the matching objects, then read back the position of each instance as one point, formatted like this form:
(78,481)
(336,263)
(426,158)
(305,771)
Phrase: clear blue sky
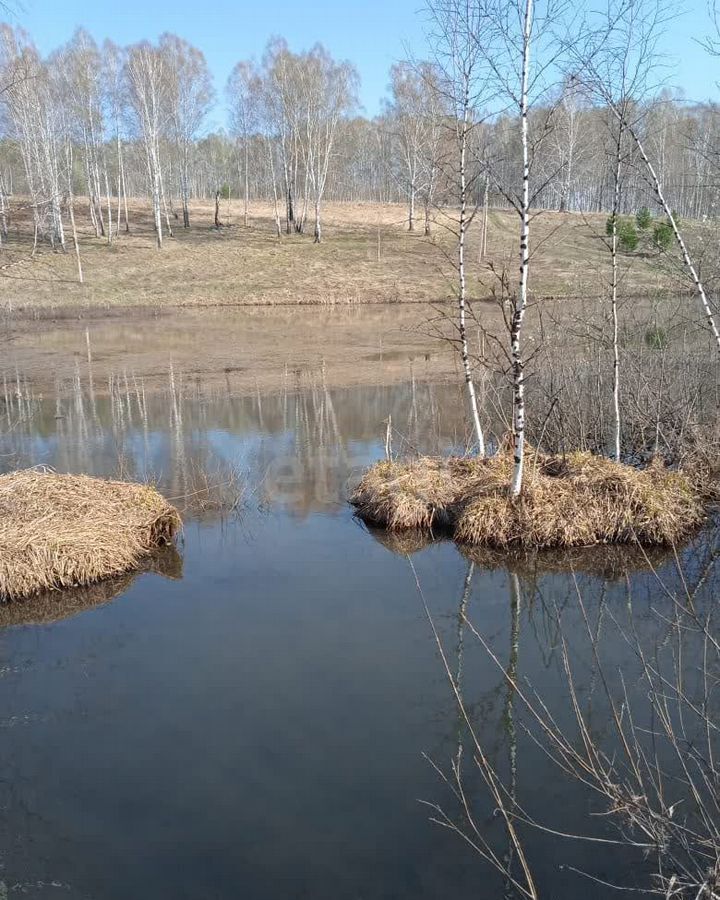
(372,34)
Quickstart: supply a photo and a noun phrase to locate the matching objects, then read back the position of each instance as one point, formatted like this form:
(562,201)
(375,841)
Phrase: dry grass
(53,606)
(60,531)
(407,496)
(367,256)
(574,501)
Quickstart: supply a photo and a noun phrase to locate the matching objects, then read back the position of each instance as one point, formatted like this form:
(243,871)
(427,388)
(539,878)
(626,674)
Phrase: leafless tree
(630,30)
(243,93)
(190,95)
(33,117)
(456,30)
(146,73)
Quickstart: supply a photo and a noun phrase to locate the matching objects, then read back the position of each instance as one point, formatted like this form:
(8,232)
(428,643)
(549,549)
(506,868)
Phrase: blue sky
(372,34)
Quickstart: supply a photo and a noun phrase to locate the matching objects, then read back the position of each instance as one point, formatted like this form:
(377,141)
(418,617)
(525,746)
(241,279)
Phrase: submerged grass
(60,531)
(575,500)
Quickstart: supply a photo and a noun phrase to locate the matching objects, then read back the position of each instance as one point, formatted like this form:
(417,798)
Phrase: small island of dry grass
(61,531)
(575,500)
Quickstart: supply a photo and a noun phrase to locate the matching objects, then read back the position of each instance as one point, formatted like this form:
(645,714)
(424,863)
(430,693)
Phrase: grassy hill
(367,256)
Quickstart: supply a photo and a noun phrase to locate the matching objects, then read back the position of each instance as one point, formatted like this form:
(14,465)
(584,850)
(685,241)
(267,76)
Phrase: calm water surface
(259,724)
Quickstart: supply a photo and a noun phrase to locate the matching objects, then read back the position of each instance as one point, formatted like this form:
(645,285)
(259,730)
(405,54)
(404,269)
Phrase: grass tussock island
(576,500)
(61,531)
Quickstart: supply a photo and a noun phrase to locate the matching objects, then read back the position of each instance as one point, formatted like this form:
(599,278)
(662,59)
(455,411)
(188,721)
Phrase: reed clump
(61,531)
(415,495)
(53,606)
(576,500)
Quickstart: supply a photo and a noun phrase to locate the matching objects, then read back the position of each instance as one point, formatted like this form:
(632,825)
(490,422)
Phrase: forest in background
(112,123)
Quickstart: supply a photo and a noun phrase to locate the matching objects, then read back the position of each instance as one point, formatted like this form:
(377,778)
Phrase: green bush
(656,338)
(628,236)
(225,192)
(662,235)
(643,218)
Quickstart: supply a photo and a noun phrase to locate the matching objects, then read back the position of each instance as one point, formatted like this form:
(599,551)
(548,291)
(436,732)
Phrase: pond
(268,714)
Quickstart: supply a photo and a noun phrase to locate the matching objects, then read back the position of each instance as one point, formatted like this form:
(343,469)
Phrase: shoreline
(94,312)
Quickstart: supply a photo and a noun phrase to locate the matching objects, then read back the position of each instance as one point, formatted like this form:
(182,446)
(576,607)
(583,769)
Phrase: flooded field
(266,713)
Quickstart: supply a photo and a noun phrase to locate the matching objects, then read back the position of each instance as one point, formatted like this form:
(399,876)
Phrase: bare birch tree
(630,29)
(147,92)
(189,97)
(456,29)
(33,117)
(520,49)
(114,69)
(408,115)
(79,74)
(329,92)
(243,92)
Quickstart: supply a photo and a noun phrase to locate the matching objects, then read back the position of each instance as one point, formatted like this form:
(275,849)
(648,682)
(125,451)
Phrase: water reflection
(611,704)
(259,725)
(53,606)
(301,446)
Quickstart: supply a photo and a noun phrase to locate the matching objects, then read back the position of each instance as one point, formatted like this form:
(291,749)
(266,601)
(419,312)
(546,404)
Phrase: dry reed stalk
(573,501)
(60,531)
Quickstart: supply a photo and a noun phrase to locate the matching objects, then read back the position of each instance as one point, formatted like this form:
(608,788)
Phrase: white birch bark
(614,297)
(518,374)
(689,265)
(462,298)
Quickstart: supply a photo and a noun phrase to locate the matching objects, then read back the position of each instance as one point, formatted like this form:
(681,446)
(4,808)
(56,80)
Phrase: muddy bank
(252,348)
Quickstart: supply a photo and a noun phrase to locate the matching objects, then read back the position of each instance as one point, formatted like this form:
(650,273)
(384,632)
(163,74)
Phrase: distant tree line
(109,123)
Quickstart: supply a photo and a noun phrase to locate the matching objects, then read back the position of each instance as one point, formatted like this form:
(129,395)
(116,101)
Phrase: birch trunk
(516,356)
(483,237)
(157,212)
(185,203)
(3,214)
(613,297)
(76,244)
(247,183)
(290,216)
(462,294)
(163,200)
(109,205)
(276,208)
(318,226)
(121,183)
(689,265)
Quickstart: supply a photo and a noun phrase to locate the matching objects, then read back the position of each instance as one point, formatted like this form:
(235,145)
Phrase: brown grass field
(367,256)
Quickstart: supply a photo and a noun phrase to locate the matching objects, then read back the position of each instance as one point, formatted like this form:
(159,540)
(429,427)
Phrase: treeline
(110,123)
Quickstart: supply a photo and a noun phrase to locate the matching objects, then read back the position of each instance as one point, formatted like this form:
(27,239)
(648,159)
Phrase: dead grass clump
(60,531)
(572,501)
(53,606)
(406,496)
